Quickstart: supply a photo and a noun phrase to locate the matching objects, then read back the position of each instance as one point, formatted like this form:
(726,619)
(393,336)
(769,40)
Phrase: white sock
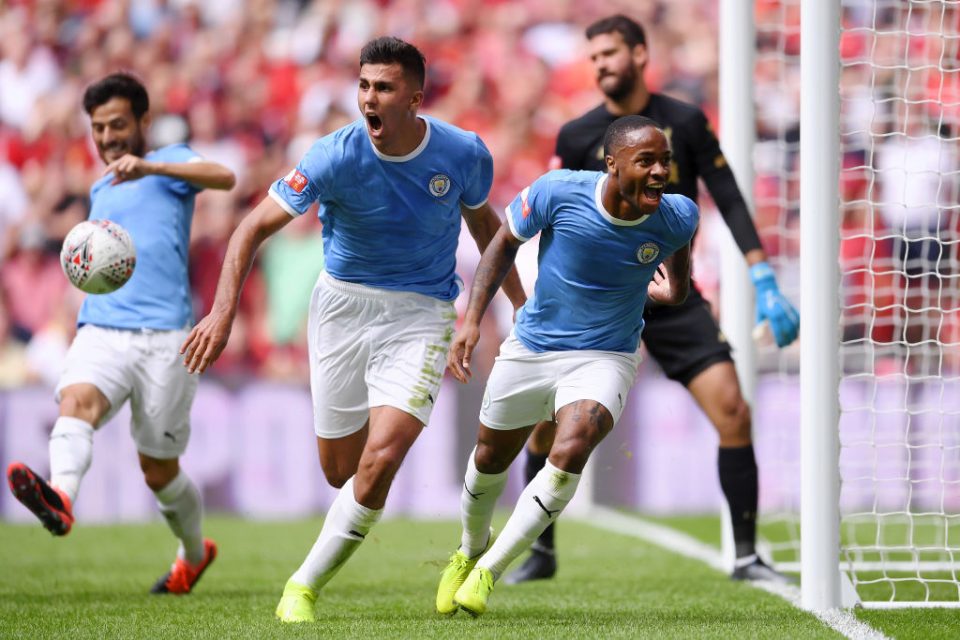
(71,451)
(180,504)
(347,523)
(538,506)
(477,501)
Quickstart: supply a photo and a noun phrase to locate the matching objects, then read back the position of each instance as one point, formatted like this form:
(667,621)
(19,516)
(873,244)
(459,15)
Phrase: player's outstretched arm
(483,224)
(209,337)
(495,262)
(772,306)
(671,282)
(203,173)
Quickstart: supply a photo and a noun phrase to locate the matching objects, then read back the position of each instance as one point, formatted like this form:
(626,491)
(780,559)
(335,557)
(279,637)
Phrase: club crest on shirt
(439,185)
(648,252)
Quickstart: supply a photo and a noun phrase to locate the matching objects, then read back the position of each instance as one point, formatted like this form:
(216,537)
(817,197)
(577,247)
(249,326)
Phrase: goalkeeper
(685,340)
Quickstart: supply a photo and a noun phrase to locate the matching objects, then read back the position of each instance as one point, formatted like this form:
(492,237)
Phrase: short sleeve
(178,153)
(476,187)
(690,214)
(529,213)
(300,188)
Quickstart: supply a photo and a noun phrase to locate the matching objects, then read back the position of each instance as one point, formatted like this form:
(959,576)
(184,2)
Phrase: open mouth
(374,122)
(653,191)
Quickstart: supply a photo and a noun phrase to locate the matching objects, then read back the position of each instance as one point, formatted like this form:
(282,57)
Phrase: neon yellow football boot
(452,577)
(297,603)
(473,594)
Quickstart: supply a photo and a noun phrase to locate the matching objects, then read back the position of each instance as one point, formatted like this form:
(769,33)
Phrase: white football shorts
(372,347)
(526,387)
(144,367)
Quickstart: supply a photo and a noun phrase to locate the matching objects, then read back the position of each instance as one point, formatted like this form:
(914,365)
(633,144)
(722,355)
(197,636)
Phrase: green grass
(904,623)
(93,584)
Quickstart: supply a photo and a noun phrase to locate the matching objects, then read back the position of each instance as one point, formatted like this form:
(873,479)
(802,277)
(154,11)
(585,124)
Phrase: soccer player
(573,349)
(685,340)
(392,188)
(127,341)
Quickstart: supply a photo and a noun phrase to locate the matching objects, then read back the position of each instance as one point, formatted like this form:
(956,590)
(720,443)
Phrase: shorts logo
(296,180)
(648,252)
(439,185)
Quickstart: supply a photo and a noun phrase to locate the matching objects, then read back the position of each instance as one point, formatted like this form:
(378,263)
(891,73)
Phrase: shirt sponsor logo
(648,252)
(296,181)
(439,185)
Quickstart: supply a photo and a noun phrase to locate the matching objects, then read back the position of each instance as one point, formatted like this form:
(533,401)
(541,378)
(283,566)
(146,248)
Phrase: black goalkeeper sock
(738,479)
(535,462)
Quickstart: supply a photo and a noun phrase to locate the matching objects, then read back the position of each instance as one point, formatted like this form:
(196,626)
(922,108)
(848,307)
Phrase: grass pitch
(94,584)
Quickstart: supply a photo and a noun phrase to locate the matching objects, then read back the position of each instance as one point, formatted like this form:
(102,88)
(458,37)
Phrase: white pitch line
(840,620)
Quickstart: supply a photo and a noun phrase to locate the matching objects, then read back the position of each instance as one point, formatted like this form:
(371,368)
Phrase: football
(98,256)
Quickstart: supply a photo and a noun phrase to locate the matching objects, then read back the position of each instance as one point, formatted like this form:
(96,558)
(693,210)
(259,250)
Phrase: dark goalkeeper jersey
(696,154)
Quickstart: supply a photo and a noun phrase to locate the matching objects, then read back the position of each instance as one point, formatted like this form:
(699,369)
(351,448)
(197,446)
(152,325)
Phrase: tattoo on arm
(494,265)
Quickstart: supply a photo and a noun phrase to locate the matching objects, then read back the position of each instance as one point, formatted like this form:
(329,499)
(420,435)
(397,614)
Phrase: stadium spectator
(213,68)
(211,71)
(32,283)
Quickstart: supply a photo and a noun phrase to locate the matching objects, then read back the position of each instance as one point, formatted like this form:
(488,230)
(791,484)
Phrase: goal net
(899,355)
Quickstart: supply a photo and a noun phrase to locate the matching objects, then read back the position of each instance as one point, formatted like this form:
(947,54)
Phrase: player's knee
(80,405)
(337,477)
(491,459)
(571,453)
(158,473)
(733,420)
(379,465)
(542,437)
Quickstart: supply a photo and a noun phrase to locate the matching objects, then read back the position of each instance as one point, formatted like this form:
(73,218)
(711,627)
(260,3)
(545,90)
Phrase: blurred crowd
(251,83)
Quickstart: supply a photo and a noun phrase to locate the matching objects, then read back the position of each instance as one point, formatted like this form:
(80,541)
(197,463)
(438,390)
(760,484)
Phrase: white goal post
(878,212)
(841,122)
(819,304)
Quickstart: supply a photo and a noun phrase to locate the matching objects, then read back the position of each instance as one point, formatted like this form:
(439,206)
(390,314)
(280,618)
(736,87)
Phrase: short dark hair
(117,85)
(616,134)
(390,50)
(630,29)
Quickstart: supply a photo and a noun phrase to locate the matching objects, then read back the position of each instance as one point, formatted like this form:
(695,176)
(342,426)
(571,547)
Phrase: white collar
(598,198)
(410,156)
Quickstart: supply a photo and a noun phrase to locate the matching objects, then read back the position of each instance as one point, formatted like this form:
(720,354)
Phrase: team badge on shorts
(648,252)
(439,185)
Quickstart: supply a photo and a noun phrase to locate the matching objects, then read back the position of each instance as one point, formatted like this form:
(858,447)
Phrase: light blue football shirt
(157,211)
(391,221)
(593,268)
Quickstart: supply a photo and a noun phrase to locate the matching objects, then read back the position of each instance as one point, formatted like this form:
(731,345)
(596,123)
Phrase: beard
(622,87)
(135,145)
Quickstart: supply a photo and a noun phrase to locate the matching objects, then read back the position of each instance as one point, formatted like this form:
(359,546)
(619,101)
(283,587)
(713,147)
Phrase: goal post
(878,212)
(819,304)
(850,149)
(853,160)
(738,130)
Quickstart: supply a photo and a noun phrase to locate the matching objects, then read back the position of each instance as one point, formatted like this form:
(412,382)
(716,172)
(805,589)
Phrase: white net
(900,351)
